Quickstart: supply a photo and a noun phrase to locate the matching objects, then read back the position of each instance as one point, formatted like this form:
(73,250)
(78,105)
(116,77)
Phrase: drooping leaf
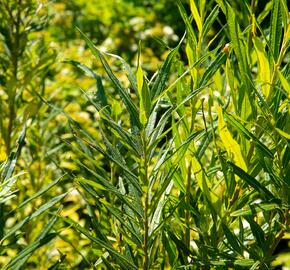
(123,93)
(260,188)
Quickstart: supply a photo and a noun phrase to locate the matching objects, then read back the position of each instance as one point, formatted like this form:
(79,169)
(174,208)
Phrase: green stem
(187,213)
(15,61)
(145,183)
(146,233)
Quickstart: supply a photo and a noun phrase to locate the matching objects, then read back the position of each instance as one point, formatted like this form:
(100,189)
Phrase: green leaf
(39,193)
(11,161)
(284,82)
(111,188)
(188,25)
(258,233)
(123,93)
(43,238)
(264,66)
(283,133)
(254,209)
(129,140)
(35,214)
(120,216)
(114,154)
(230,144)
(234,30)
(210,19)
(235,122)
(98,241)
(213,67)
(159,84)
(130,73)
(244,262)
(100,98)
(260,188)
(275,30)
(232,240)
(143,90)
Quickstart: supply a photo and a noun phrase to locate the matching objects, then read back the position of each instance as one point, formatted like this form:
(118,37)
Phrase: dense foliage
(155,135)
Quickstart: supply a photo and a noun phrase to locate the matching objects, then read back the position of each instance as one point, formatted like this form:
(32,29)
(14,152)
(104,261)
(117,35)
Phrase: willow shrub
(192,171)
(25,165)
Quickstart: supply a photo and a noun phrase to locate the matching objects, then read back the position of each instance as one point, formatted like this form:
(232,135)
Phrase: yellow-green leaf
(264,72)
(287,35)
(191,60)
(229,143)
(205,185)
(283,133)
(285,83)
(139,79)
(140,82)
(196,15)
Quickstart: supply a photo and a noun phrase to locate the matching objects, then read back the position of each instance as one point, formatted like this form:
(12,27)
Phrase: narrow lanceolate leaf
(196,15)
(31,248)
(257,208)
(264,72)
(6,188)
(233,121)
(275,29)
(232,240)
(210,20)
(285,83)
(283,133)
(160,82)
(110,188)
(186,20)
(122,92)
(86,70)
(130,74)
(139,74)
(257,232)
(143,92)
(232,147)
(127,138)
(235,31)
(205,185)
(35,214)
(100,97)
(40,192)
(251,181)
(11,162)
(43,238)
(122,219)
(98,241)
(214,66)
(191,56)
(114,154)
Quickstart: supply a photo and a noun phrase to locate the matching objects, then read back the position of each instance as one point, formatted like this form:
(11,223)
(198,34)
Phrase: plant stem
(146,232)
(145,183)
(14,60)
(187,213)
